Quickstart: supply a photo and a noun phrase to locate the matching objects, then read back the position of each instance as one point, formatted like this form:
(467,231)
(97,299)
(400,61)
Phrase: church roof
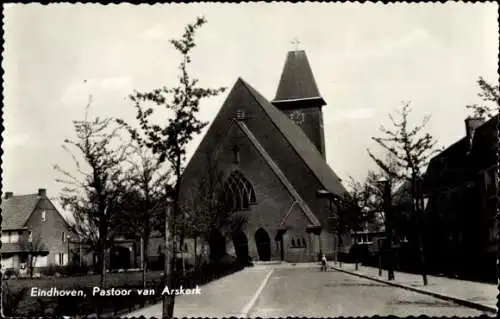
(300,143)
(297,80)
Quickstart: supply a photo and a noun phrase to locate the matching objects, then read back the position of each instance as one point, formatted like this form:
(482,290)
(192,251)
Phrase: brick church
(270,160)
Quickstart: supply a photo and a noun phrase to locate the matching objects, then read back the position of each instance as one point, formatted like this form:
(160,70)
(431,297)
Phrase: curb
(460,301)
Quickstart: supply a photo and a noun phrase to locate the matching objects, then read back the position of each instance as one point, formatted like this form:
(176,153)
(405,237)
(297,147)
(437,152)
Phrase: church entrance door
(263,243)
(240,243)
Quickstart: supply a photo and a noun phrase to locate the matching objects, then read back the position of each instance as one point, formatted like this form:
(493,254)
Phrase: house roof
(464,157)
(17,209)
(11,248)
(300,143)
(297,80)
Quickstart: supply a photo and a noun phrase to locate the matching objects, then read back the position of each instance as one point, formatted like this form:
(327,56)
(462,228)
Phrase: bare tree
(412,150)
(203,205)
(490,94)
(147,192)
(169,142)
(94,192)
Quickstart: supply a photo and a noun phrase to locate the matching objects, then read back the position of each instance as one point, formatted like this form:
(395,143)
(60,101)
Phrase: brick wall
(51,231)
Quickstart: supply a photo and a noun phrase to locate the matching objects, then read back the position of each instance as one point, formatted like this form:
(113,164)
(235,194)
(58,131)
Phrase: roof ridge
(299,148)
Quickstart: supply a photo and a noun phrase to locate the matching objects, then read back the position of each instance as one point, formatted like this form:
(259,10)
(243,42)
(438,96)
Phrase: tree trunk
(31,264)
(356,257)
(416,204)
(195,252)
(181,248)
(338,249)
(421,249)
(388,230)
(167,298)
(145,257)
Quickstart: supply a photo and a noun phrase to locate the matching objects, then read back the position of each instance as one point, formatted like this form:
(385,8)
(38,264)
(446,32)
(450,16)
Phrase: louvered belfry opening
(238,192)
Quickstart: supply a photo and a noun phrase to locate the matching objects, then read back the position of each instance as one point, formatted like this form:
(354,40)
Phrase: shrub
(11,273)
(75,270)
(52,270)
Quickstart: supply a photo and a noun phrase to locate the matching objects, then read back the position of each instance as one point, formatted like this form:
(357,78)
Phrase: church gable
(290,149)
(253,181)
(293,217)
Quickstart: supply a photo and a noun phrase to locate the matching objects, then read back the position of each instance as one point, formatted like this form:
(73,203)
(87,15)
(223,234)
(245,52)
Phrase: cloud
(155,32)
(353,114)
(17,140)
(115,83)
(79,91)
(412,39)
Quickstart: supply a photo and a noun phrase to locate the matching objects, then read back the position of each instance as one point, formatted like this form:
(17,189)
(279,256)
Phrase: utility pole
(388,227)
(167,265)
(419,209)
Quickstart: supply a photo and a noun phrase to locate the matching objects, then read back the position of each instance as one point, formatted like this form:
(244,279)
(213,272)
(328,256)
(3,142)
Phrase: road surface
(304,292)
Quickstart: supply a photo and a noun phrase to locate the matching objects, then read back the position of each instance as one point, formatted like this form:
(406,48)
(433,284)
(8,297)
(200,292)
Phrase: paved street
(309,292)
(305,291)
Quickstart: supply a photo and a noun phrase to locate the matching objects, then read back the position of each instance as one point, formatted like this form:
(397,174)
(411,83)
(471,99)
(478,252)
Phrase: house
(461,184)
(271,157)
(32,226)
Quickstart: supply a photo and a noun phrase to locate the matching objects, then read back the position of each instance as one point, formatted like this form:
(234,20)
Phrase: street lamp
(387,195)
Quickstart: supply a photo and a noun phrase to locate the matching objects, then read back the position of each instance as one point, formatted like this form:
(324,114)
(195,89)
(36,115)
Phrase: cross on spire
(296,43)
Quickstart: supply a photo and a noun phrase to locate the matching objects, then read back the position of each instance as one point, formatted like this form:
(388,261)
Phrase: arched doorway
(119,257)
(217,244)
(263,243)
(240,243)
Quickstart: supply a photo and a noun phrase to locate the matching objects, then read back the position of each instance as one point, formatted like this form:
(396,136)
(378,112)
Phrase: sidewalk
(226,297)
(468,293)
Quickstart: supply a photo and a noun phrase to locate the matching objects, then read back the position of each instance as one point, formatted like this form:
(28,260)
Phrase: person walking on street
(323,262)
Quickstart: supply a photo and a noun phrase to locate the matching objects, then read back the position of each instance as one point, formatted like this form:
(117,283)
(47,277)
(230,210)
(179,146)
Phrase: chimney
(471,124)
(8,195)
(42,192)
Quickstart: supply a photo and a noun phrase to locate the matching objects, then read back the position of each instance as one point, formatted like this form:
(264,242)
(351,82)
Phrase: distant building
(461,184)
(32,225)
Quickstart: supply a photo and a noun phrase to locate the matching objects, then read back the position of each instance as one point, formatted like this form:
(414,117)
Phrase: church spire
(298,98)
(297,82)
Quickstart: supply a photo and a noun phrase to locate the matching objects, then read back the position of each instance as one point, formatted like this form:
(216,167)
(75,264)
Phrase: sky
(366,58)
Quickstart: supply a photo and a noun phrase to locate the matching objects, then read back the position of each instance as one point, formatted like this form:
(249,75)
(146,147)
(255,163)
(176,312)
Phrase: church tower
(298,97)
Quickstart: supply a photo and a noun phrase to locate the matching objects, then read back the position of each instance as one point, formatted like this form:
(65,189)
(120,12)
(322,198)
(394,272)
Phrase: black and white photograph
(253,159)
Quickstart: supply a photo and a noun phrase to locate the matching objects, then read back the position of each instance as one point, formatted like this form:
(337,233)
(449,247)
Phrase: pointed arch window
(238,192)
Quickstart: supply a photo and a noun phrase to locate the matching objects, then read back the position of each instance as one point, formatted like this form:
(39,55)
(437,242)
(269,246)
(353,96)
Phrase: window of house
(44,216)
(61,259)
(7,262)
(369,239)
(185,247)
(14,237)
(41,261)
(5,237)
(30,237)
(63,235)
